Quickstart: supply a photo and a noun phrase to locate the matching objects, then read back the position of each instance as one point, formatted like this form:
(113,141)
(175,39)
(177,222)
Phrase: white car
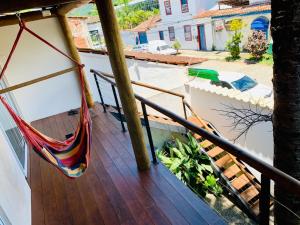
(141,48)
(160,47)
(243,83)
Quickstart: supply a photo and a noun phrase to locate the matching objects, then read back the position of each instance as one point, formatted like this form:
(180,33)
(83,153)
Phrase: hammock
(71,156)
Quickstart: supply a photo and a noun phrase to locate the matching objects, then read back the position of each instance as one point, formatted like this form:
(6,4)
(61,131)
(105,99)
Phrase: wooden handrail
(37,80)
(286,181)
(148,86)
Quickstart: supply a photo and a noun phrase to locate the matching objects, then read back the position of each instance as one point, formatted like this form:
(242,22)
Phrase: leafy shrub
(257,44)
(233,45)
(177,45)
(190,165)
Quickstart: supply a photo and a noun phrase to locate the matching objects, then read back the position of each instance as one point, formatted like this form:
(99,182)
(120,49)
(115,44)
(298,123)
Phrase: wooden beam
(74,54)
(18,5)
(27,17)
(114,45)
(37,80)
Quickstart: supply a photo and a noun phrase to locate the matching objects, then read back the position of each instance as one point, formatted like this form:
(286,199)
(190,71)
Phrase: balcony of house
(112,191)
(45,83)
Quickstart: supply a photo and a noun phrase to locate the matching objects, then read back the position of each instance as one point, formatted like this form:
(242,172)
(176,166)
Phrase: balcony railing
(267,171)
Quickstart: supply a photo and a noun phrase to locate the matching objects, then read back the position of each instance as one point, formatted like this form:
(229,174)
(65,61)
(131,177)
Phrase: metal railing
(267,171)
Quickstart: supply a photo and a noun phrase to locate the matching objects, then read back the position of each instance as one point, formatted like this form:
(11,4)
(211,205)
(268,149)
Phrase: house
(121,186)
(176,23)
(203,25)
(79,31)
(255,17)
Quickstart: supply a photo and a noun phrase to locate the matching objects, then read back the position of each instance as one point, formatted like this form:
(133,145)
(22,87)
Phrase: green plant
(257,44)
(177,45)
(190,165)
(233,45)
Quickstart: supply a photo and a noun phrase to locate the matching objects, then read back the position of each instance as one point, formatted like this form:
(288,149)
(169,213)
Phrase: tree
(285,28)
(233,45)
(177,45)
(257,44)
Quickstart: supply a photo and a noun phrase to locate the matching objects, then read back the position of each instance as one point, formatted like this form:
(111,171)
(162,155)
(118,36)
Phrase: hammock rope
(71,156)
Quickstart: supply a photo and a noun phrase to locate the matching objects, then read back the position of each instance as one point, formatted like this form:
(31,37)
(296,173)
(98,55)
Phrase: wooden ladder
(238,178)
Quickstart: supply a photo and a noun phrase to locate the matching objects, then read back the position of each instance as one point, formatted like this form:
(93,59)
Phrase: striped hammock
(71,156)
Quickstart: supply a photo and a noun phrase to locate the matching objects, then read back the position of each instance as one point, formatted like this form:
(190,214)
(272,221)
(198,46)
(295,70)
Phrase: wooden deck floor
(112,191)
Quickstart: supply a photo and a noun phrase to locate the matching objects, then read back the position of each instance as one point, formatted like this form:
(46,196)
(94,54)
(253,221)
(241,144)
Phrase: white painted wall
(33,59)
(165,76)
(128,37)
(15,197)
(252,2)
(195,6)
(221,37)
(259,140)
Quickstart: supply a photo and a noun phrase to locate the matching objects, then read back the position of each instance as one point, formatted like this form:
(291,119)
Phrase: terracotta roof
(148,24)
(234,11)
(168,59)
(93,19)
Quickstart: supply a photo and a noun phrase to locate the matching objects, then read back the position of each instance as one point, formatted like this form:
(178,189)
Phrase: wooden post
(117,59)
(74,54)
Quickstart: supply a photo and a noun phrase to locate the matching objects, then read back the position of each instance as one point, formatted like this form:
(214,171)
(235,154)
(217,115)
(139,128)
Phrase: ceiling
(18,5)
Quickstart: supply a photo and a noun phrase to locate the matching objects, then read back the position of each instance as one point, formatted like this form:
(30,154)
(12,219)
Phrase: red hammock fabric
(71,156)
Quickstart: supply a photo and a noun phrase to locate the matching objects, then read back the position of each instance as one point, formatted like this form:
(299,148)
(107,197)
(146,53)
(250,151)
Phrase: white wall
(33,59)
(259,140)
(165,76)
(221,37)
(15,197)
(195,6)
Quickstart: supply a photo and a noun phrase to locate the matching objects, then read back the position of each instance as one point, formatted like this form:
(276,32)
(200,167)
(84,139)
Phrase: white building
(177,23)
(201,25)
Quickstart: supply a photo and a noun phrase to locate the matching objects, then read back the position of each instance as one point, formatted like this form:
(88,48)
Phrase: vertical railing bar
(264,201)
(184,109)
(100,94)
(148,129)
(118,107)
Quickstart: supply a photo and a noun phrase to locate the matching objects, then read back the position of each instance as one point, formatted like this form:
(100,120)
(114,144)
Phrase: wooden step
(231,171)
(224,161)
(255,207)
(239,182)
(215,151)
(249,193)
(206,144)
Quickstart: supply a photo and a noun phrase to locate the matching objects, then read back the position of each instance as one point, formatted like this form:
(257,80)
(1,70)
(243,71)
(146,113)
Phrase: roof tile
(234,11)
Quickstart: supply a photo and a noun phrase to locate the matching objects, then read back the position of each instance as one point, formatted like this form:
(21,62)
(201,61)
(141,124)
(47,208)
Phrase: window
(188,32)
(161,35)
(261,24)
(222,84)
(3,218)
(171,33)
(12,132)
(96,39)
(168,7)
(184,6)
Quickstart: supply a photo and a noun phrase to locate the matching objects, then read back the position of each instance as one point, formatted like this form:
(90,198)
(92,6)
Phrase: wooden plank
(215,151)
(37,207)
(240,182)
(206,144)
(113,191)
(231,171)
(224,161)
(37,80)
(249,193)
